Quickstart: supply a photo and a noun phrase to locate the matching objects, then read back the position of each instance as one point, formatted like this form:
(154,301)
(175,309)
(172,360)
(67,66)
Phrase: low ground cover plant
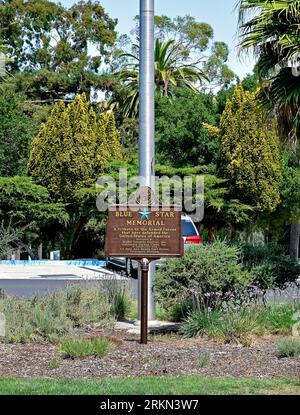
(151,385)
(118,295)
(288,347)
(241,325)
(54,364)
(204,359)
(80,347)
(230,327)
(63,312)
(277,318)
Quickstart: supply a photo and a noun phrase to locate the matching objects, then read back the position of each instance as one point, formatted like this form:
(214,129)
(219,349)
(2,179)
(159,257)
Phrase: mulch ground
(163,356)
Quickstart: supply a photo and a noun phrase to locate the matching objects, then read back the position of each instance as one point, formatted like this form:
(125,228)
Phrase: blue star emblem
(145,214)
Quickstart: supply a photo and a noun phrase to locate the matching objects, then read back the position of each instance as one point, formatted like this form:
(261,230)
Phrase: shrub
(256,254)
(239,327)
(241,324)
(72,348)
(33,320)
(87,304)
(54,364)
(59,313)
(270,264)
(205,277)
(202,324)
(278,319)
(288,347)
(179,311)
(231,326)
(118,294)
(204,359)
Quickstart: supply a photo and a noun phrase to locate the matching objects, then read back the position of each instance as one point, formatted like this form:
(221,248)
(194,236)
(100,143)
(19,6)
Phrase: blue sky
(219,14)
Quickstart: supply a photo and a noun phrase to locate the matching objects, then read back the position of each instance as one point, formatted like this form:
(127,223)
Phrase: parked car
(190,237)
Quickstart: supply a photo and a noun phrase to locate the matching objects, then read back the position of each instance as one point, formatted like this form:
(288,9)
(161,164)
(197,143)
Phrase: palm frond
(169,71)
(271,31)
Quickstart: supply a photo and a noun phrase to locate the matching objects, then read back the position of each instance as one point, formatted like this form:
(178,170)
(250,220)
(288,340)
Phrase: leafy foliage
(110,137)
(207,275)
(9,239)
(16,130)
(170,71)
(181,137)
(195,44)
(271,30)
(61,155)
(249,152)
(48,41)
(71,149)
(23,202)
(185,56)
(70,348)
(58,314)
(70,152)
(271,266)
(288,211)
(26,211)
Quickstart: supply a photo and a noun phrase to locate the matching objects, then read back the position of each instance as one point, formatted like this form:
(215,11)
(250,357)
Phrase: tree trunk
(40,251)
(294,240)
(212,233)
(30,252)
(166,84)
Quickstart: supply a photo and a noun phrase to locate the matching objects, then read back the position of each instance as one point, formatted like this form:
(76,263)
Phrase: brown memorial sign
(138,232)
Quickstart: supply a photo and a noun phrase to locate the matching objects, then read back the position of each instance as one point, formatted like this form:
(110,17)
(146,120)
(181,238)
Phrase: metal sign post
(144,301)
(144,231)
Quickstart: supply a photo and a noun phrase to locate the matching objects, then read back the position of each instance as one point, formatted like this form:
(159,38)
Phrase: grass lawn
(190,385)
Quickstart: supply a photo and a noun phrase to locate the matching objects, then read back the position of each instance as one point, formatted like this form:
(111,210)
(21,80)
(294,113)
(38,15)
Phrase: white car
(190,236)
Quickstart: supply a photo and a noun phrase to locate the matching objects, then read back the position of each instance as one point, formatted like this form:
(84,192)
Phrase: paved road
(53,271)
(27,280)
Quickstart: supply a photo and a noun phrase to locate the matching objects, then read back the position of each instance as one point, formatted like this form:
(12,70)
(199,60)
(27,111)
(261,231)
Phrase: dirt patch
(163,356)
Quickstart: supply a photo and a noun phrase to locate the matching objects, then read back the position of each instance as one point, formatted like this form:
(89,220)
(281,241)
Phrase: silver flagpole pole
(147,117)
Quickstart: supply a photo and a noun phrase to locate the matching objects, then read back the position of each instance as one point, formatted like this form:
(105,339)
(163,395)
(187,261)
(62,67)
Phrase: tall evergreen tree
(47,152)
(102,147)
(80,148)
(113,137)
(73,148)
(249,152)
(108,145)
(62,155)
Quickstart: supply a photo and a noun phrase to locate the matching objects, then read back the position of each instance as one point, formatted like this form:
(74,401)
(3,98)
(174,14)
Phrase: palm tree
(170,71)
(271,29)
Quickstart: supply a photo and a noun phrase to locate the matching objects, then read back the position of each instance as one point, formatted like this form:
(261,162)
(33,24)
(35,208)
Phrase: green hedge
(206,277)
(271,266)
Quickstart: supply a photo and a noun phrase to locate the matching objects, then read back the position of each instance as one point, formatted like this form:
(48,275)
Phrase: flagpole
(147,119)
